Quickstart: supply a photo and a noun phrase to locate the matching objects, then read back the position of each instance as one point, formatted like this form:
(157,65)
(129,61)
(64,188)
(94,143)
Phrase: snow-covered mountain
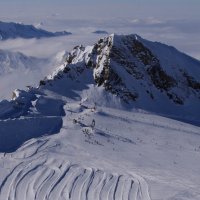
(11,30)
(109,144)
(11,61)
(147,75)
(18,70)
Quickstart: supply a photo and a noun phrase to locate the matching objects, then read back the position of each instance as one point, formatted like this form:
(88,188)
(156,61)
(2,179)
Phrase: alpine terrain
(19,70)
(118,120)
(11,30)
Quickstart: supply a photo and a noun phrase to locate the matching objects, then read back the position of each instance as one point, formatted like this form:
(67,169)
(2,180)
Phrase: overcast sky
(111,8)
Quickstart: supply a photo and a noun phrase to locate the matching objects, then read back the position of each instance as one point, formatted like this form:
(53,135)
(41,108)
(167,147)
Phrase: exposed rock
(126,67)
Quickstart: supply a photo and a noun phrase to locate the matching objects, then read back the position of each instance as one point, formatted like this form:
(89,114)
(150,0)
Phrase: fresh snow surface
(69,139)
(127,155)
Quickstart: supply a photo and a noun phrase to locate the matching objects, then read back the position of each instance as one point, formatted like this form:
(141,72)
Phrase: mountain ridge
(122,71)
(128,71)
(11,61)
(81,135)
(125,67)
(11,30)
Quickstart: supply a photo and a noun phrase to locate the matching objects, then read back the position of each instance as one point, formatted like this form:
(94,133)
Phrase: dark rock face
(115,54)
(142,53)
(121,59)
(109,77)
(160,79)
(158,76)
(126,67)
(175,98)
(191,82)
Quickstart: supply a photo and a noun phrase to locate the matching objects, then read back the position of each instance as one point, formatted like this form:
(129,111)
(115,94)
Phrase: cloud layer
(183,34)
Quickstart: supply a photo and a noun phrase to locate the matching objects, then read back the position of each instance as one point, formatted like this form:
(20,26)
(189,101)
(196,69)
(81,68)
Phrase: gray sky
(109,8)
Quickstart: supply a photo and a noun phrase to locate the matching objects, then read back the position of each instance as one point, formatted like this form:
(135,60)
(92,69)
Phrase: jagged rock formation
(102,150)
(128,68)
(140,73)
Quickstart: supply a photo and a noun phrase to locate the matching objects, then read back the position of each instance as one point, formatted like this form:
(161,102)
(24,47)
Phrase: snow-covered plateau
(118,120)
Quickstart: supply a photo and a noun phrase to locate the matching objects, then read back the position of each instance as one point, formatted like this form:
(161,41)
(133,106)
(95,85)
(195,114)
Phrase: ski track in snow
(50,179)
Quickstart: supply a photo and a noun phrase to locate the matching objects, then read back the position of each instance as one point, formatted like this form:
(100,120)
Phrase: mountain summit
(128,71)
(125,72)
(105,104)
(131,72)
(143,74)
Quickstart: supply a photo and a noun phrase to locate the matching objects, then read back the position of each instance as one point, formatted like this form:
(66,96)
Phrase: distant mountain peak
(11,30)
(100,32)
(11,61)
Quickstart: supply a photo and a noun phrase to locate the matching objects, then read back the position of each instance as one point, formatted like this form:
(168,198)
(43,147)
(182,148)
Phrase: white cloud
(178,33)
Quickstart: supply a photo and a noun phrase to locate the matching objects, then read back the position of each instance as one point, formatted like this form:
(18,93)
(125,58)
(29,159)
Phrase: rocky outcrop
(126,67)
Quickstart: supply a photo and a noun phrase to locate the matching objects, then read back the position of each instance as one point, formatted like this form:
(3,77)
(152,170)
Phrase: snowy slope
(144,74)
(127,155)
(11,30)
(108,145)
